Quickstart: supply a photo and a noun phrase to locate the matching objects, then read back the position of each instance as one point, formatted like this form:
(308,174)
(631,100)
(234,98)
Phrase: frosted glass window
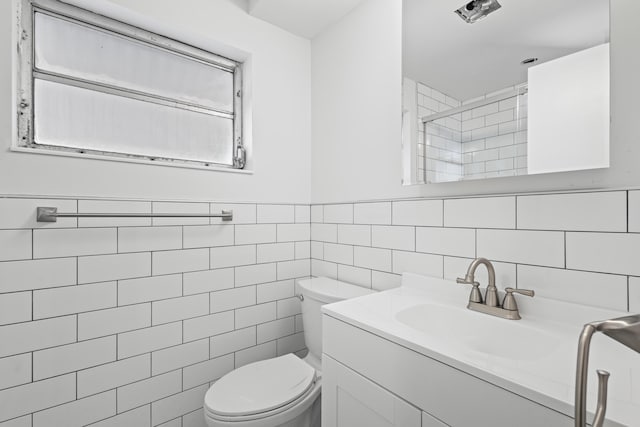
(98,56)
(93,85)
(67,116)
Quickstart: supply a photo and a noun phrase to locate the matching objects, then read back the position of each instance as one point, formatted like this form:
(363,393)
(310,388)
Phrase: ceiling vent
(477,9)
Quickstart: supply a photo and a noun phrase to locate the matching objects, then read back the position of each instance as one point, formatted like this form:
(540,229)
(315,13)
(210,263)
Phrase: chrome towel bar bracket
(48,214)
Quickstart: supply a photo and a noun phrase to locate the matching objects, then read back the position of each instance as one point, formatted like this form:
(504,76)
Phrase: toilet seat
(261,389)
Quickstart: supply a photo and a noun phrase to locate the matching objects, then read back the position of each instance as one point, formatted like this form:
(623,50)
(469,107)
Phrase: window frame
(27,73)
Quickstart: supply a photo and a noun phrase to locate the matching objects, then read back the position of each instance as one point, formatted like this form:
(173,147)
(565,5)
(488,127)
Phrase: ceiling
(459,59)
(306,18)
(467,60)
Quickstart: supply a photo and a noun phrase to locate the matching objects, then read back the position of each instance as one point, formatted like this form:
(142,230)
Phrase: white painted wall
(280,104)
(356,85)
(356,104)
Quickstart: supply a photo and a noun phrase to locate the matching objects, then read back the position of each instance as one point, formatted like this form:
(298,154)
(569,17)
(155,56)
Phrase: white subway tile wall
(545,248)
(355,275)
(615,253)
(338,214)
(573,247)
(481,212)
(15,307)
(447,241)
(372,213)
(575,212)
(80,412)
(127,322)
(634,294)
(634,211)
(109,206)
(21,213)
(417,212)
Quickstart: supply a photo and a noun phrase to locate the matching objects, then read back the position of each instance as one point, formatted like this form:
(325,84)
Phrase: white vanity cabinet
(349,400)
(369,380)
(416,353)
(429,421)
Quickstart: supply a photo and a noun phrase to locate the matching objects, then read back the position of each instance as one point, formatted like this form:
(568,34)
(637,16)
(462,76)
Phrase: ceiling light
(476,10)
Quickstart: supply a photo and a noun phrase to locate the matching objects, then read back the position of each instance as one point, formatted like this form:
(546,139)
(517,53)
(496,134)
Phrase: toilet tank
(316,292)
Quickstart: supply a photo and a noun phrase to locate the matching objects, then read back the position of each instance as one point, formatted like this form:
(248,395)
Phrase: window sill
(164,163)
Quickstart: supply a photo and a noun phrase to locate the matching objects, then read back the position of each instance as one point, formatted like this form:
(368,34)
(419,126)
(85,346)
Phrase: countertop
(544,373)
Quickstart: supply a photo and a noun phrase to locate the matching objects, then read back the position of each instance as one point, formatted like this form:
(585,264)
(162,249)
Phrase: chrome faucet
(491,297)
(491,305)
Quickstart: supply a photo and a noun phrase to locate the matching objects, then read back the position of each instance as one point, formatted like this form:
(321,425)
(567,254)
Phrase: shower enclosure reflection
(522,91)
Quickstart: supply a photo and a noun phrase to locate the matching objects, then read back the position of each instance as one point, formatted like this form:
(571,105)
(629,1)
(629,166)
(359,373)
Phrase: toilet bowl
(283,391)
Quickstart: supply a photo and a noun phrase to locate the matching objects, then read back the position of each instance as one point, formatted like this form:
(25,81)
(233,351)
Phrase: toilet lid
(328,290)
(260,387)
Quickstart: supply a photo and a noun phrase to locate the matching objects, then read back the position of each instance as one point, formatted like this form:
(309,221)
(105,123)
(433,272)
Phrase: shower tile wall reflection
(484,142)
(494,138)
(440,154)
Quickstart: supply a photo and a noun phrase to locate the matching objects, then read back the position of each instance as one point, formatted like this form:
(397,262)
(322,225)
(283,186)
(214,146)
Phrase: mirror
(504,88)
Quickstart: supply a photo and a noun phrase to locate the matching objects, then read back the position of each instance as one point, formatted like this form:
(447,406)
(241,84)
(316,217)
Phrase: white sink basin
(534,357)
(480,332)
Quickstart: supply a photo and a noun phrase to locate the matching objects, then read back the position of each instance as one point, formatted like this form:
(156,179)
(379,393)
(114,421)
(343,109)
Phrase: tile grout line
(628,293)
(516,212)
(475,230)
(565,250)
(628,211)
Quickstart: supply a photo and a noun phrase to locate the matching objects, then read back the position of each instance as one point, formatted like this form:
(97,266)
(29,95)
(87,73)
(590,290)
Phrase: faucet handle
(601,409)
(476,295)
(509,302)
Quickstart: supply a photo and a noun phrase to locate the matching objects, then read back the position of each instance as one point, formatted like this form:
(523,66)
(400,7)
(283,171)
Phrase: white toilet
(283,391)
